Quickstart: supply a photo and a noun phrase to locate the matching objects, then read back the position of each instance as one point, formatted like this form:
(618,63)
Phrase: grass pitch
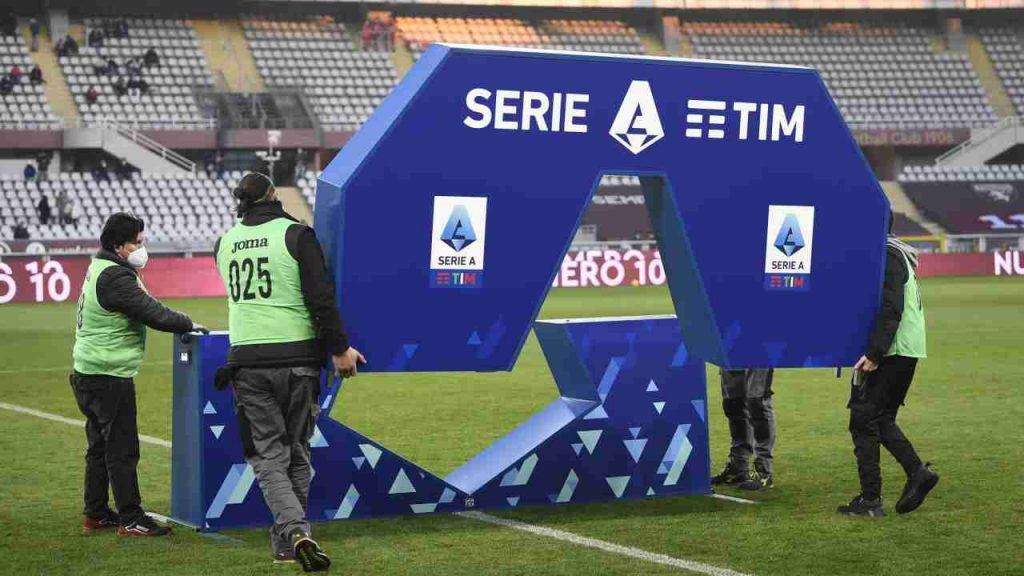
(964,413)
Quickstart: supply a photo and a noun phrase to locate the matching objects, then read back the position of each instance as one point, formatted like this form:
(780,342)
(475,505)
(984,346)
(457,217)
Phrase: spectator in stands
(100,173)
(367,34)
(113,68)
(6,86)
(62,201)
(35,29)
(92,95)
(71,212)
(151,58)
(67,46)
(132,67)
(120,88)
(96,38)
(43,208)
(30,172)
(43,164)
(124,170)
(16,74)
(121,29)
(20,231)
(36,75)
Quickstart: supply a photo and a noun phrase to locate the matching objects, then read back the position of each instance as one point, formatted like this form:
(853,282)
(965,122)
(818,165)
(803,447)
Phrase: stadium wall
(27,279)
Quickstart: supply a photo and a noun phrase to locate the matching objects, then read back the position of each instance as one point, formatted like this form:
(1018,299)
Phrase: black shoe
(732,474)
(861,507)
(308,553)
(143,526)
(918,486)
(760,479)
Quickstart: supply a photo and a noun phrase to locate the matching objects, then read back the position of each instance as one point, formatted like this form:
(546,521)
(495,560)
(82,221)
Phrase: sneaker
(860,506)
(144,526)
(918,486)
(107,521)
(732,474)
(761,478)
(308,553)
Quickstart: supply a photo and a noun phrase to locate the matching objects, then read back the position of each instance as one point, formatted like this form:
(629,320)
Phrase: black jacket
(118,290)
(891,312)
(317,292)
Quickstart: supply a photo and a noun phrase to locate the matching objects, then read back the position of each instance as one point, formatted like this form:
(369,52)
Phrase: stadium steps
(652,45)
(228,55)
(685,47)
(294,204)
(55,85)
(901,203)
(990,80)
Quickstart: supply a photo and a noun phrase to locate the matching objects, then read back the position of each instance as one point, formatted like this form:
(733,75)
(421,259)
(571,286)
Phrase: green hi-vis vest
(106,342)
(265,304)
(910,336)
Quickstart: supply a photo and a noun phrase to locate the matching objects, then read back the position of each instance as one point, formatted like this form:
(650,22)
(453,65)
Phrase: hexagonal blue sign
(718,146)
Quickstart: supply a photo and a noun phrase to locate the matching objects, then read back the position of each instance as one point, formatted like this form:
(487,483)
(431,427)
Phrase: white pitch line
(610,547)
(72,421)
(553,533)
(733,499)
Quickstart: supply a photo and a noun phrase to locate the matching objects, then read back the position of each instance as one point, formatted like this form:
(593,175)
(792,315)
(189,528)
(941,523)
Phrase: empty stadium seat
(26,107)
(343,84)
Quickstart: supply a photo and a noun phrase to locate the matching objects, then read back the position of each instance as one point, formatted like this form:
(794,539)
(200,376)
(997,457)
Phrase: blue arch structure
(720,143)
(446,217)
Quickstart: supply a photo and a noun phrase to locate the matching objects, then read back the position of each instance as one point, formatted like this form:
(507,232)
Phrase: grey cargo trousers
(276,409)
(747,402)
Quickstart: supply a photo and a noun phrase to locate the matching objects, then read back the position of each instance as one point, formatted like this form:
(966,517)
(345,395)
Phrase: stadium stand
(177,208)
(1005,46)
(989,204)
(986,173)
(170,101)
(580,35)
(26,105)
(343,99)
(882,75)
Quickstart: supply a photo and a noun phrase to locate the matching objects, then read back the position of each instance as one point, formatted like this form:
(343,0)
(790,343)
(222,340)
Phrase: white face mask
(138,258)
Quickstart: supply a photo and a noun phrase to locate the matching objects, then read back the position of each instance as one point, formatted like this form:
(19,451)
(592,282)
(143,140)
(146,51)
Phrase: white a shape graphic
(637,125)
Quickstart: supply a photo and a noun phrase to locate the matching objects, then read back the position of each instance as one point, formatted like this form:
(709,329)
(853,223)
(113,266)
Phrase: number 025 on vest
(265,303)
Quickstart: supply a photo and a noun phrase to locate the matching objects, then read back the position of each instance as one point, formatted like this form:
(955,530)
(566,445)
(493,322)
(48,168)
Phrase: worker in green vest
(881,380)
(114,310)
(283,325)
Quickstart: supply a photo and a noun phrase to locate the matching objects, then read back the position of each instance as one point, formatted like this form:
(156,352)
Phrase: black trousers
(873,408)
(112,458)
(747,403)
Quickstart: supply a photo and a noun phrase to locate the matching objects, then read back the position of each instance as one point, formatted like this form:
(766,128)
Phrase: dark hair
(253,188)
(119,229)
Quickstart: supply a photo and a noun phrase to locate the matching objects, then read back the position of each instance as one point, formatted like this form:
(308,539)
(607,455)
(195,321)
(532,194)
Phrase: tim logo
(457,242)
(637,125)
(788,244)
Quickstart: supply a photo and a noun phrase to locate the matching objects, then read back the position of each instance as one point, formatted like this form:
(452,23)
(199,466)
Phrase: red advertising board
(42,279)
(59,279)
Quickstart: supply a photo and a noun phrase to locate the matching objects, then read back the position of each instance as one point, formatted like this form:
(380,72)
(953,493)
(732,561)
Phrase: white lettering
(535,105)
(744,108)
(572,112)
(472,103)
(793,126)
(502,109)
(1004,263)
